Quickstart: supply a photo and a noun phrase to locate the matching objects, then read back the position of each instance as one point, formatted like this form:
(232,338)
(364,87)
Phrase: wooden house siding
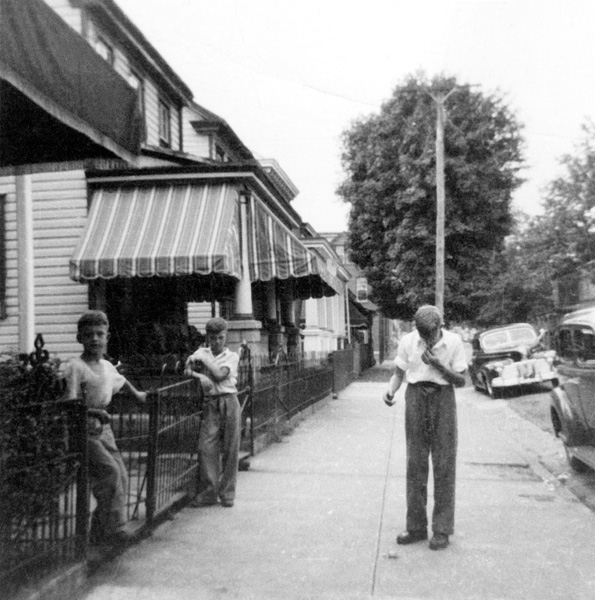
(198,314)
(59,217)
(194,144)
(151,114)
(72,16)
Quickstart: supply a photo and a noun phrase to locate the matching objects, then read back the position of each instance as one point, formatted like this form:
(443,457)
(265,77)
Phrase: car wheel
(491,390)
(575,464)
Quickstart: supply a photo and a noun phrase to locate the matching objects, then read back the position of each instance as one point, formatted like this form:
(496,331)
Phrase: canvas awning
(159,230)
(172,229)
(276,253)
(59,100)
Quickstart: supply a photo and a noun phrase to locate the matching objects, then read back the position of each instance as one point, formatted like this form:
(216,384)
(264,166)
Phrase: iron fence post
(82,481)
(151,502)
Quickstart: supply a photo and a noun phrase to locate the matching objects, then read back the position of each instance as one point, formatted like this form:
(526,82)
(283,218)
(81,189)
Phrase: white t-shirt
(95,382)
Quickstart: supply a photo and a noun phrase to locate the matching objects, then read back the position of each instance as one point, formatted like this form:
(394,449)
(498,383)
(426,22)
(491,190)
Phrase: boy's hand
(389,399)
(142,397)
(100,414)
(207,384)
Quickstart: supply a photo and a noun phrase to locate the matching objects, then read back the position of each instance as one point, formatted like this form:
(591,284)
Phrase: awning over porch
(159,230)
(276,253)
(59,100)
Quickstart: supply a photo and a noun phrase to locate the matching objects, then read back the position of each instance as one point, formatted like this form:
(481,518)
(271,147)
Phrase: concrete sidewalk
(317,515)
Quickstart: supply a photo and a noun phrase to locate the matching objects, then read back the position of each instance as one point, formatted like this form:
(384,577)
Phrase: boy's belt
(429,387)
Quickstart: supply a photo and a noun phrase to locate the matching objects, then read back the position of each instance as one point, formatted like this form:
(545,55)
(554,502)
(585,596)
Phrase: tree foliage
(552,244)
(389,160)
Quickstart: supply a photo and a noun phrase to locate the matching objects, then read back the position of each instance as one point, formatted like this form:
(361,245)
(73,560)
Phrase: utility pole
(440,198)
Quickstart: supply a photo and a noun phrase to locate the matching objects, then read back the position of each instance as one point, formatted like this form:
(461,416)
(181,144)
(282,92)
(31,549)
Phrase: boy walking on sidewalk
(218,455)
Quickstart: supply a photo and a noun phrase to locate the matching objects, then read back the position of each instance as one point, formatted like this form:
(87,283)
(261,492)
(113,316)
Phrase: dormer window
(220,154)
(105,50)
(164,124)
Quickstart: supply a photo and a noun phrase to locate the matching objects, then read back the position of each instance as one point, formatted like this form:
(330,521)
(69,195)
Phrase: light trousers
(219,447)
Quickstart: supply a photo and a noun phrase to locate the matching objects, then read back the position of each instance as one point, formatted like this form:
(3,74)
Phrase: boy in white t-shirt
(217,368)
(95,379)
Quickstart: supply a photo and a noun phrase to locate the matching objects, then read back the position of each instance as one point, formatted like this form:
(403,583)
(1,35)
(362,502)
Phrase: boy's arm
(393,385)
(216,371)
(140,396)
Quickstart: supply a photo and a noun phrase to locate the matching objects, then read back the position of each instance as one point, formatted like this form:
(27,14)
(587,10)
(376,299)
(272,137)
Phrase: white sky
(289,76)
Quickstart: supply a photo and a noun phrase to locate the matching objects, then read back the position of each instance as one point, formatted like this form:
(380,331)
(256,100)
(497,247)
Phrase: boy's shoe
(411,537)
(200,501)
(121,537)
(439,541)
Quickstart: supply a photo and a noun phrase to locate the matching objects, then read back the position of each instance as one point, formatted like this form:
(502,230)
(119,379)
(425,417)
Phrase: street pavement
(317,515)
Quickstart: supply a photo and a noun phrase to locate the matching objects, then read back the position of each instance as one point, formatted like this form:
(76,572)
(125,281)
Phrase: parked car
(573,401)
(509,357)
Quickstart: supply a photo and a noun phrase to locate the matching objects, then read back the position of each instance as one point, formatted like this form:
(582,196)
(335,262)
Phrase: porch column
(243,292)
(243,327)
(26,294)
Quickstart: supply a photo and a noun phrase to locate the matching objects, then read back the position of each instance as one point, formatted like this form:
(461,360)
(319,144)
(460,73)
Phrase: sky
(290,76)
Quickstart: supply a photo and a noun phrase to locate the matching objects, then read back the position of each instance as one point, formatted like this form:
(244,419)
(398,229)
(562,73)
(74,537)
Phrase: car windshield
(523,335)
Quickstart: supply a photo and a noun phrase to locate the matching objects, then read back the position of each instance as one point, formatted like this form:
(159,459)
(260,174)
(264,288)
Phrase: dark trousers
(431,429)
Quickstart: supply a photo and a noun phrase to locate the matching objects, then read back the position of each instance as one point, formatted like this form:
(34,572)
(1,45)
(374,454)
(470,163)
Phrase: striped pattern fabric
(275,253)
(159,230)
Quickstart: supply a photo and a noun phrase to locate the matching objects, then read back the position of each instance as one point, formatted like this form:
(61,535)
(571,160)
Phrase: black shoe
(121,538)
(410,537)
(439,541)
(201,501)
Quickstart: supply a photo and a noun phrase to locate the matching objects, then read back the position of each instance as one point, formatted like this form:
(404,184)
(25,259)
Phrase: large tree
(390,165)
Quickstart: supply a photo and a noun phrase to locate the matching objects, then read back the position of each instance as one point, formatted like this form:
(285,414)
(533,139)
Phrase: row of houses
(118,191)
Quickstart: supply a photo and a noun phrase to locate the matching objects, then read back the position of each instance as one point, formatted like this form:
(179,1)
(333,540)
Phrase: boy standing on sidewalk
(95,379)
(217,368)
(431,360)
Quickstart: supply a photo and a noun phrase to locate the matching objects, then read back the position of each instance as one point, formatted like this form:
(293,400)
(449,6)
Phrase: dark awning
(159,230)
(276,253)
(59,100)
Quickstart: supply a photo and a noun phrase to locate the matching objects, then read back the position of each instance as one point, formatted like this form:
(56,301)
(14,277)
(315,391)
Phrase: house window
(105,50)
(3,313)
(220,154)
(361,284)
(164,124)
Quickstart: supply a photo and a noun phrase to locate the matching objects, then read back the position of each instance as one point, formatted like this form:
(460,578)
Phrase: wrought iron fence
(44,497)
(158,442)
(44,511)
(286,387)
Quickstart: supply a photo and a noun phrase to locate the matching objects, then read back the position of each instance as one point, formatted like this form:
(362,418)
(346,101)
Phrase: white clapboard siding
(194,144)
(151,114)
(59,217)
(198,314)
(71,15)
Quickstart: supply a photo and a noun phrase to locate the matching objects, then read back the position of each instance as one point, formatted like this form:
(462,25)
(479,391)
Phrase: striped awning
(159,230)
(276,253)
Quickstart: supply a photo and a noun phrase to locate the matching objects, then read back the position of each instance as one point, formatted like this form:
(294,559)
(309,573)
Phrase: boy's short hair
(216,325)
(92,318)
(428,318)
